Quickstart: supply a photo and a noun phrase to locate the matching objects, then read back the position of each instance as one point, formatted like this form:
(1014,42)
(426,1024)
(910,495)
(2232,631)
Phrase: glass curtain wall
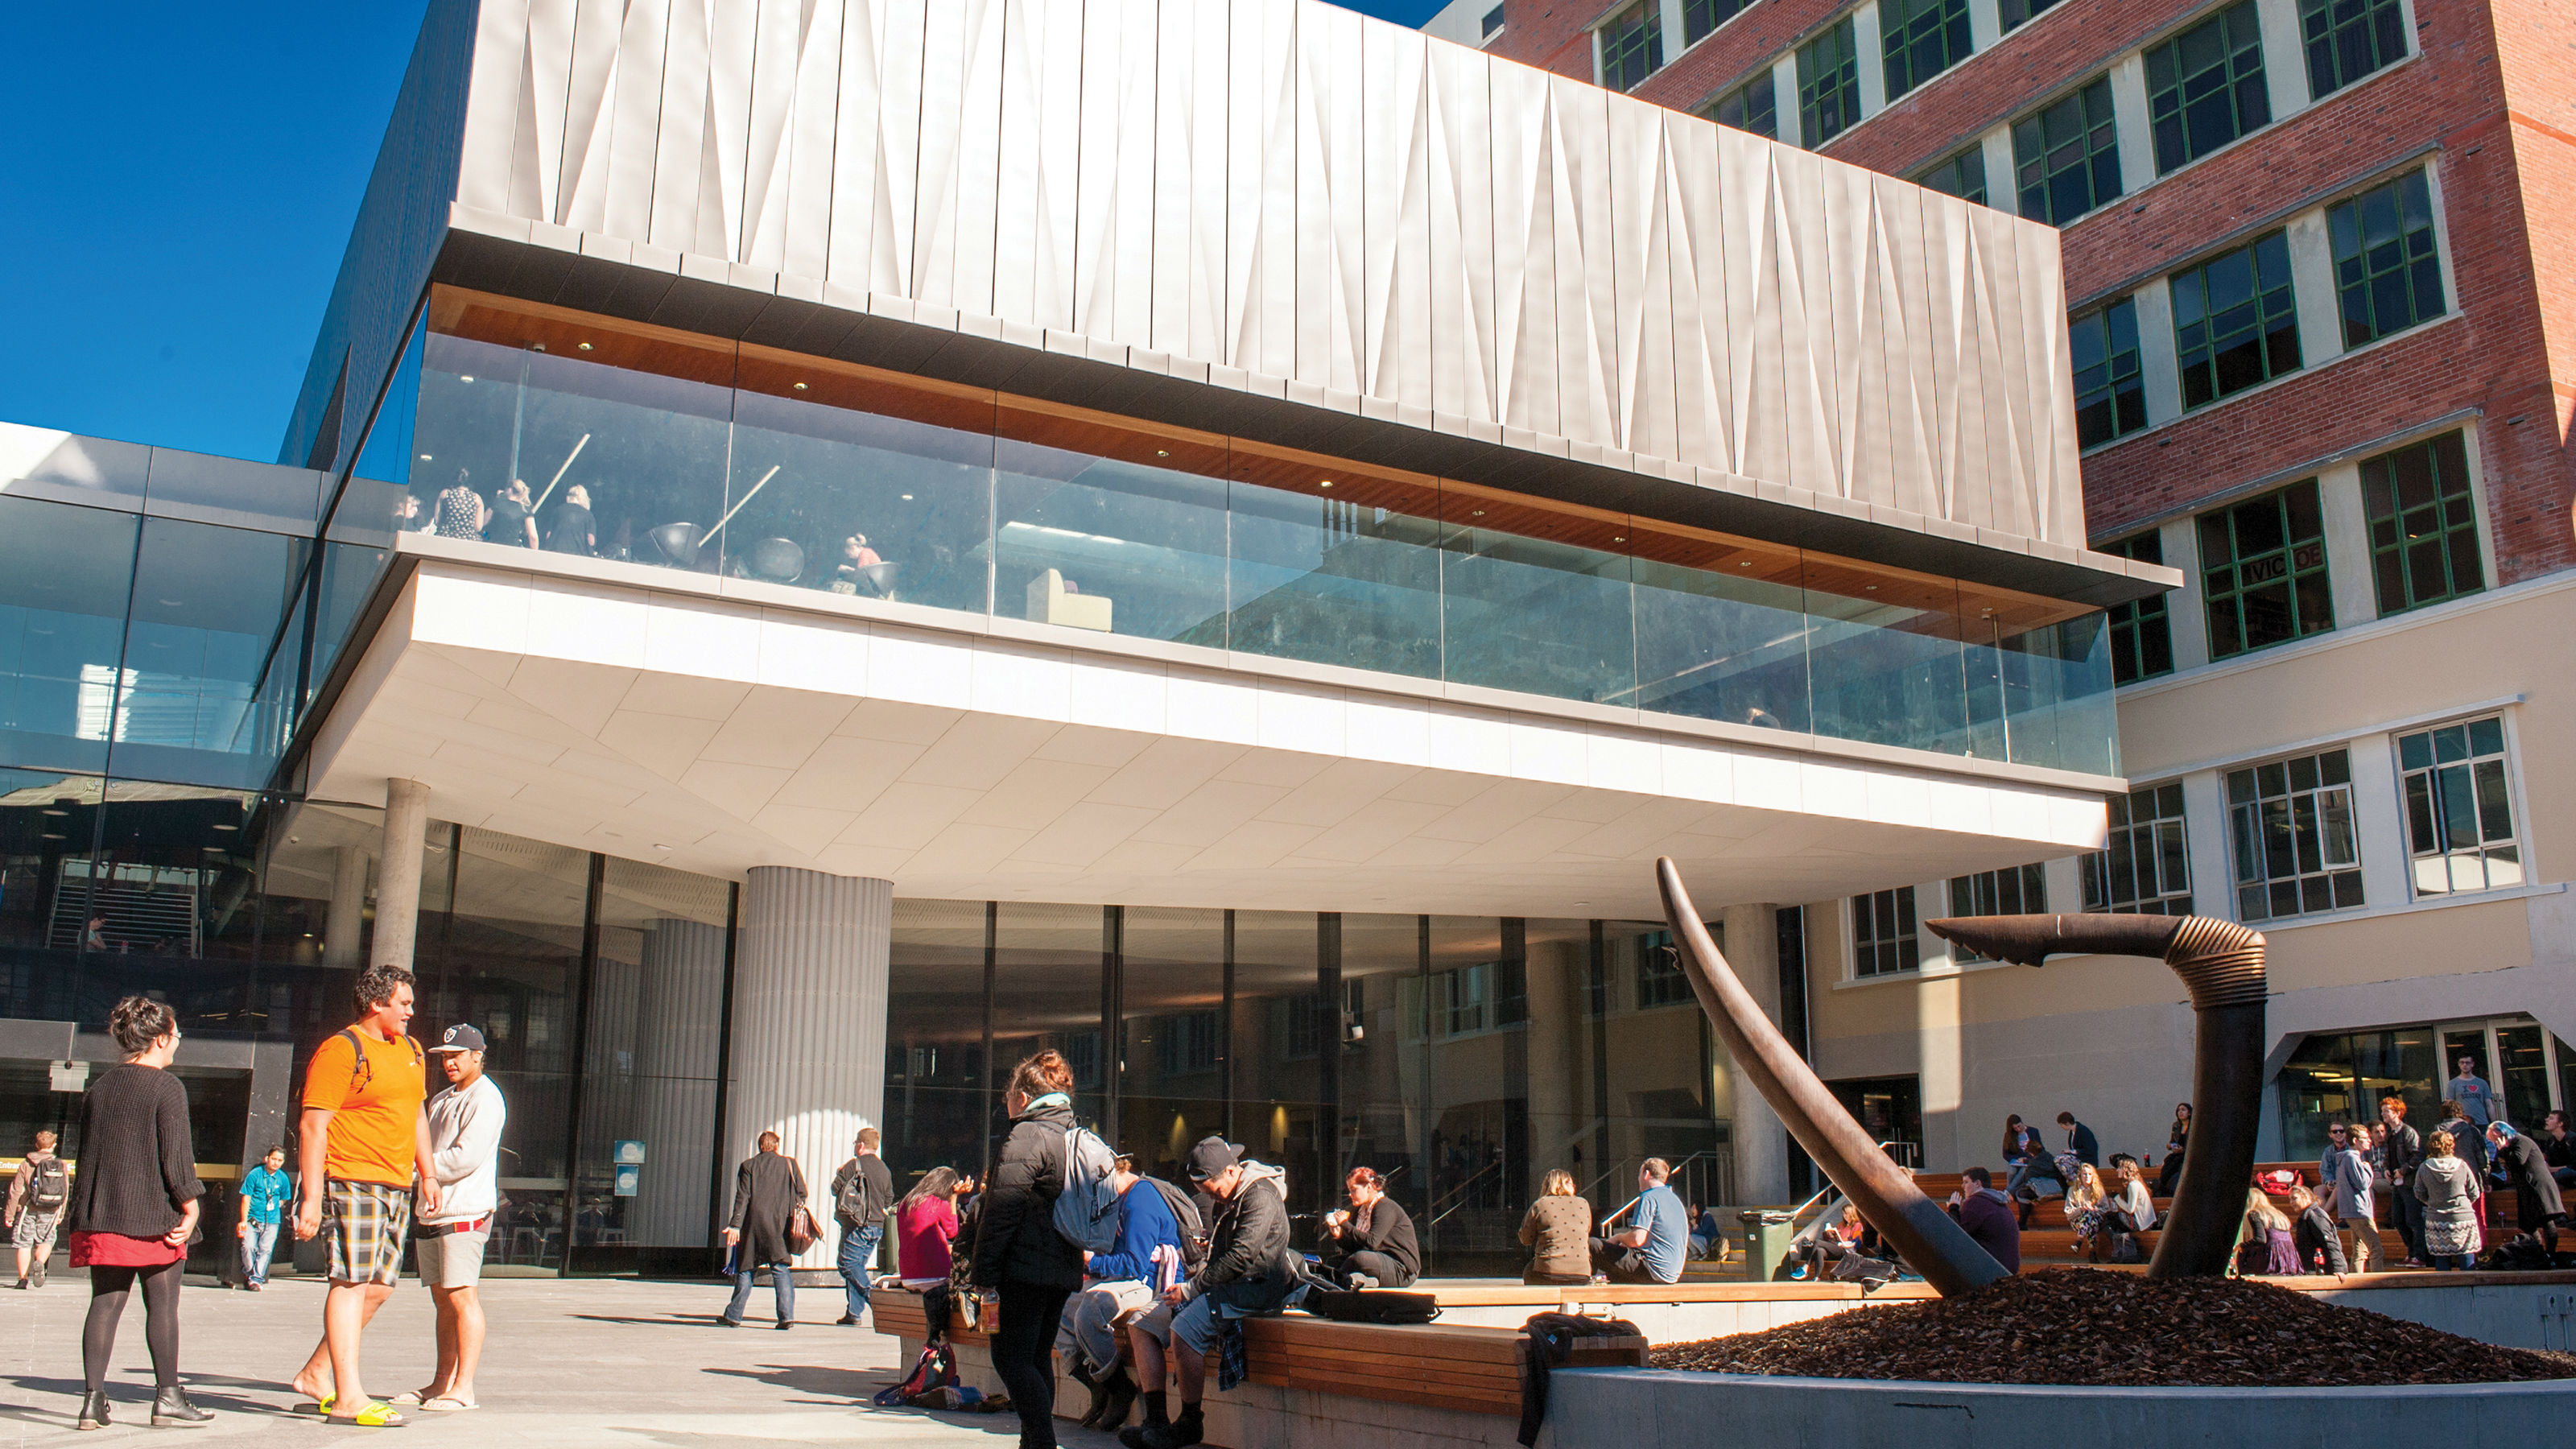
(938,1100)
(540,427)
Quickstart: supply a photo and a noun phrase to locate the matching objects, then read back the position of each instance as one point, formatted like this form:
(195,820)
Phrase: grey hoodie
(1250,1239)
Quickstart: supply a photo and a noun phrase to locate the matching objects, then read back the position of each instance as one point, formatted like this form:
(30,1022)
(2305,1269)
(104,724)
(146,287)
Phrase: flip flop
(378,1415)
(406,1398)
(448,1404)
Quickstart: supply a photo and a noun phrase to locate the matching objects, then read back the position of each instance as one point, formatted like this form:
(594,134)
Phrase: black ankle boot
(171,1410)
(1157,1420)
(93,1414)
(1083,1375)
(1181,1433)
(1122,1397)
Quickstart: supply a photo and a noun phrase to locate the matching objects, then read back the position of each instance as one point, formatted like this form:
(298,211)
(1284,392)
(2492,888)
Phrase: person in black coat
(2537,1207)
(1018,1253)
(1373,1239)
(767,1190)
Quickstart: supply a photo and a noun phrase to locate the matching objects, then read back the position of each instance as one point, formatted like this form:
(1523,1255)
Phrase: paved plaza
(606,1362)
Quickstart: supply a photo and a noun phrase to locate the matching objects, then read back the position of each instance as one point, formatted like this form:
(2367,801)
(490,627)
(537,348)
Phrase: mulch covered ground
(2084,1326)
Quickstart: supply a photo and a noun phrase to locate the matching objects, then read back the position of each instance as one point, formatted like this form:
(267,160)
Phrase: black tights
(1023,1357)
(108,1290)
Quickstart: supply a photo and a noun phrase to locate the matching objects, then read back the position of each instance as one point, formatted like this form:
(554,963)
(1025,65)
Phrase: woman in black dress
(134,1206)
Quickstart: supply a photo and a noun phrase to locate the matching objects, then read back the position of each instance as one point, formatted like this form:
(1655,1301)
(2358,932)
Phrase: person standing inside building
(2471,1091)
(861,1192)
(465,1122)
(459,512)
(1018,1252)
(767,1190)
(133,1207)
(365,1133)
(37,1192)
(2401,1151)
(511,522)
(569,526)
(1653,1249)
(1371,1243)
(263,1206)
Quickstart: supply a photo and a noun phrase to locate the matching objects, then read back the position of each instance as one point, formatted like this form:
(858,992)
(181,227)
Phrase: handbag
(801,1231)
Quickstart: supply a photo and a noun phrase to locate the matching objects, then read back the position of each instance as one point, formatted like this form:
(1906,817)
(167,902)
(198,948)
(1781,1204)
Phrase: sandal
(406,1398)
(321,1406)
(448,1404)
(378,1415)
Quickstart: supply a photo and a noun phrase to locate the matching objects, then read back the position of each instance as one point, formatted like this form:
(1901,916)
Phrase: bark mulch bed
(2084,1326)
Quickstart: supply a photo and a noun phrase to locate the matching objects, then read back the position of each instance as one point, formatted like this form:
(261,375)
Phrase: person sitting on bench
(1250,1272)
(1370,1244)
(1652,1251)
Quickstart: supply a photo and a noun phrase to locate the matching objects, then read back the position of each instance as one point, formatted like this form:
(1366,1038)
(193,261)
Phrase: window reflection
(1109,527)
(1333,562)
(65,576)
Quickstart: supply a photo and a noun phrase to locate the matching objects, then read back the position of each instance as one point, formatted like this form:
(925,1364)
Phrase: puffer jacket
(1250,1240)
(1016,1241)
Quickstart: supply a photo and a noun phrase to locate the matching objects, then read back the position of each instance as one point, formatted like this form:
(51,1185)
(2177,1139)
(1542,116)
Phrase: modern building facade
(823,548)
(2321,328)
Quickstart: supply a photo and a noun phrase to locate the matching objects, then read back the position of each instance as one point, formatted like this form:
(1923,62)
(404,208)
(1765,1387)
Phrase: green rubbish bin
(1766,1241)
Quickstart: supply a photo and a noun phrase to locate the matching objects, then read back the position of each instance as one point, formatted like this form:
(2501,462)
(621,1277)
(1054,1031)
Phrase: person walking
(768,1191)
(2401,1150)
(1019,1255)
(925,1224)
(861,1192)
(365,1131)
(134,1206)
(2476,1098)
(2355,1205)
(1371,1243)
(37,1192)
(465,1122)
(264,1192)
(2538,1208)
(1557,1229)
(2447,1189)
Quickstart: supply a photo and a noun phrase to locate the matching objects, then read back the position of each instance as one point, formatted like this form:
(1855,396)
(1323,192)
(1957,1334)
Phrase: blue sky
(180,180)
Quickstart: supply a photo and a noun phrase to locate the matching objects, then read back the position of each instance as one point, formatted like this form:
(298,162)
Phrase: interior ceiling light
(1162,452)
(49,835)
(907,498)
(800,387)
(228,827)
(57,814)
(424,457)
(1479,513)
(585,347)
(465,379)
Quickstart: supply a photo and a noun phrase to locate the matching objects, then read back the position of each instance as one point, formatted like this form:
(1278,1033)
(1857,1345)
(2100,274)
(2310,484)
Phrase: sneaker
(785,1324)
(1360,1280)
(846,1320)
(39,1274)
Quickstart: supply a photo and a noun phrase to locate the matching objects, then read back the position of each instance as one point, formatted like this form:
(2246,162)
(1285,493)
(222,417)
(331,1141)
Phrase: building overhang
(716,725)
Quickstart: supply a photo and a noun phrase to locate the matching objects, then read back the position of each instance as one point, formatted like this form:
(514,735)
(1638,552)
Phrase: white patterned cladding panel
(1320,201)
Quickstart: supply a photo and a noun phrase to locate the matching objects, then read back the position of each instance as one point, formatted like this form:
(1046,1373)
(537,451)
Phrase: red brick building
(2321,267)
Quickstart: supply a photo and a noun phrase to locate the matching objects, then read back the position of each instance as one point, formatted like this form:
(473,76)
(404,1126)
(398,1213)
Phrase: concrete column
(344,928)
(809,1017)
(1761,1143)
(2129,121)
(398,874)
(678,1020)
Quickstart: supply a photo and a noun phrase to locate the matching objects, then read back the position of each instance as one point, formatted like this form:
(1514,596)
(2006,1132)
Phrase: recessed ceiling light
(907,498)
(1162,452)
(657,845)
(536,347)
(800,387)
(210,847)
(228,827)
(57,814)
(424,457)
(1746,564)
(1619,538)
(49,835)
(1479,513)
(585,347)
(465,379)
(1873,588)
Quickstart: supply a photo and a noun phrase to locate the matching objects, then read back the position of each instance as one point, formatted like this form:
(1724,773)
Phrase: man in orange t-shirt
(365,1143)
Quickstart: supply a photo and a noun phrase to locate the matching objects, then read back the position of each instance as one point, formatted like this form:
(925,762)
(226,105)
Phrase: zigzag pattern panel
(1322,202)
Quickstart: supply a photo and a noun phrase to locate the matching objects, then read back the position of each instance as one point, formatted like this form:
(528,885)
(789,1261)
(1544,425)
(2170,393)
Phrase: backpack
(361,1071)
(50,1186)
(1086,1210)
(1194,1238)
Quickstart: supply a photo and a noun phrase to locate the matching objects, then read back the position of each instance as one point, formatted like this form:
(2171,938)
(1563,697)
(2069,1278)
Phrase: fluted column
(398,873)
(1761,1143)
(809,1020)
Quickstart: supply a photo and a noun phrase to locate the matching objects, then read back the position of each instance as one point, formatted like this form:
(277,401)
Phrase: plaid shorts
(366,1223)
(35,1229)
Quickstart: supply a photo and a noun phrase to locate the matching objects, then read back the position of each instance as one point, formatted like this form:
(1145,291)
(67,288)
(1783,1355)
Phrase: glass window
(2522,1073)
(2141,633)
(1480,1101)
(1276,1111)
(1381,1083)
(1699,17)
(1632,45)
(2236,321)
(1890,1110)
(1537,596)
(938,1102)
(1171,1007)
(856,481)
(1884,650)
(65,580)
(1722,629)
(2340,1076)
(1661,980)
(2038,681)
(2066,157)
(1110,526)
(2296,851)
(2459,808)
(48,837)
(2348,39)
(1753,106)
(2110,382)
(2263,571)
(1493,20)
(2388,268)
(1883,940)
(1828,85)
(2423,524)
(2017,13)
(1920,39)
(2020,890)
(2145,866)
(207,611)
(1047,994)
(2205,87)
(1962,176)
(1334,562)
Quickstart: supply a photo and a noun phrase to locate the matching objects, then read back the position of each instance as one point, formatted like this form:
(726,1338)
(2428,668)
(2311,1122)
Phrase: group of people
(510,517)
(382,1164)
(2436,1183)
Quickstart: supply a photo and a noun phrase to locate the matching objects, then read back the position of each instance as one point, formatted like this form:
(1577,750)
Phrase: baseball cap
(1211,1156)
(460,1038)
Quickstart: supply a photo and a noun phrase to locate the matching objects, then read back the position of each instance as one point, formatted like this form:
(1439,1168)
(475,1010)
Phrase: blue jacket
(2081,1141)
(1145,1222)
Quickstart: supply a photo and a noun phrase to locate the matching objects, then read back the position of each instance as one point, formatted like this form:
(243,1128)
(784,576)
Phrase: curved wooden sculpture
(1934,1245)
(2222,965)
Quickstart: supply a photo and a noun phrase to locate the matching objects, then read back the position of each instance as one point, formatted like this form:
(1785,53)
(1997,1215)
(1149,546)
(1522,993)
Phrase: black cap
(1212,1156)
(460,1038)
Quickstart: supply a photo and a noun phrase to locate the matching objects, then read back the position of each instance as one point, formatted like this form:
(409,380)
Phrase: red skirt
(116,1250)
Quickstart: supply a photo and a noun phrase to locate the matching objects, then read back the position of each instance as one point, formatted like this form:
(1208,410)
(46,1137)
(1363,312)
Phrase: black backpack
(1194,1237)
(48,1186)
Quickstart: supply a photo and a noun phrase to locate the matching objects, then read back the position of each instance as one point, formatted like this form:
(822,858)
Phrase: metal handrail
(1463,1184)
(1828,1190)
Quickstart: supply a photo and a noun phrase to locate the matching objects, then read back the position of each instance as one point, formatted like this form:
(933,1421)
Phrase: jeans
(258,1243)
(1022,1354)
(2024,1171)
(782,1282)
(2409,1213)
(858,1254)
(1089,1334)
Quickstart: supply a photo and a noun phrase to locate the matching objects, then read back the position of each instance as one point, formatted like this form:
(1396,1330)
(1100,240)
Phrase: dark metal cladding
(1932,1243)
(2221,964)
